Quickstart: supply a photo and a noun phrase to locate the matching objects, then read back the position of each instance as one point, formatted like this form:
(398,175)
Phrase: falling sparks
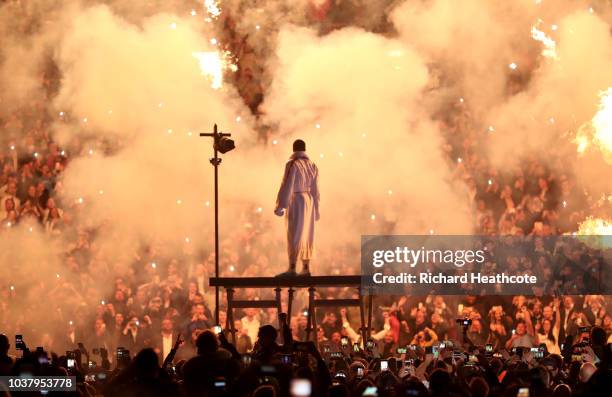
(12,147)
(207,203)
(490,182)
(61,114)
(102,302)
(212,8)
(160,105)
(91,152)
(274,142)
(153,265)
(373,217)
(550,46)
(84,119)
(12,288)
(595,227)
(459,159)
(259,210)
(187,240)
(513,66)
(57,275)
(389,192)
(461,100)
(598,131)
(363,135)
(232,268)
(173,25)
(341,154)
(212,65)
(564,204)
(193,13)
(551,120)
(213,41)
(101,191)
(169,131)
(317,125)
(321,155)
(257,27)
(491,129)
(238,118)
(179,201)
(80,200)
(431,231)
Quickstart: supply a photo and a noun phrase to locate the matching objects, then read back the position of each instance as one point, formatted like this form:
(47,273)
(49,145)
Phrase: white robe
(299,196)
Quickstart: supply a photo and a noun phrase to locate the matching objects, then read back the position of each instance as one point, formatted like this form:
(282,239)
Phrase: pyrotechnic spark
(340,154)
(363,135)
(213,41)
(61,114)
(153,265)
(91,152)
(238,118)
(321,155)
(459,159)
(63,152)
(57,275)
(187,239)
(12,147)
(431,231)
(595,227)
(161,104)
(274,142)
(101,191)
(461,100)
(80,200)
(12,288)
(193,13)
(232,268)
(598,131)
(317,125)
(84,119)
(373,217)
(110,111)
(173,25)
(554,27)
(491,129)
(189,133)
(169,130)
(35,154)
(212,65)
(389,192)
(564,203)
(490,181)
(179,201)
(550,46)
(212,8)
(207,203)
(257,27)
(513,66)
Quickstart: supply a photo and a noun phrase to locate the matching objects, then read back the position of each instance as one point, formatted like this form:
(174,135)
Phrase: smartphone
(370,391)
(301,388)
(19,345)
(247,359)
(409,362)
(344,341)
(442,346)
(359,372)
(220,383)
(355,347)
(70,363)
(401,350)
(523,392)
(488,348)
(384,365)
(286,358)
(217,329)
(370,344)
(91,365)
(435,350)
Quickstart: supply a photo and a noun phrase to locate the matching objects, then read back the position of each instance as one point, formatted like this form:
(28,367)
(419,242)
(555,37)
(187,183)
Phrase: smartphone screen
(217,329)
(370,391)
(384,365)
(356,348)
(489,348)
(301,388)
(70,363)
(18,342)
(360,372)
(344,341)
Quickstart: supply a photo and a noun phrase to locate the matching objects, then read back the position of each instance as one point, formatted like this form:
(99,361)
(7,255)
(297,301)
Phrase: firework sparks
(212,8)
(596,232)
(550,46)
(213,64)
(598,131)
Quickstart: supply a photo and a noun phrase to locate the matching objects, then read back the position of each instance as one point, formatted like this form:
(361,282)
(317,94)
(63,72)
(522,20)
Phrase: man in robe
(298,200)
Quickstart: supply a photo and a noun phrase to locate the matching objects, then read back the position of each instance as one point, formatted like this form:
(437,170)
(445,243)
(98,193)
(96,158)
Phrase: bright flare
(212,8)
(598,131)
(212,65)
(550,46)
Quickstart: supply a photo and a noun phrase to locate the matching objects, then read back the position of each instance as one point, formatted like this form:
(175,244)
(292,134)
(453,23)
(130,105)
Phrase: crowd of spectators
(151,307)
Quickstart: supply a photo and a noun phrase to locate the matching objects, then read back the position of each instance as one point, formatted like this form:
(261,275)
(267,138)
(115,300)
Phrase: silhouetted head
(207,343)
(299,145)
(146,363)
(4,345)
(267,335)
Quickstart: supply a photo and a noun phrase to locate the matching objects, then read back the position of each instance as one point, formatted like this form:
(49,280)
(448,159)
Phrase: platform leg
(230,313)
(370,303)
(289,303)
(362,314)
(310,321)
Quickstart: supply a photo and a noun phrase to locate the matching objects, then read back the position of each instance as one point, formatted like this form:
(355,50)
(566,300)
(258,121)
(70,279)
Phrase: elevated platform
(292,283)
(296,282)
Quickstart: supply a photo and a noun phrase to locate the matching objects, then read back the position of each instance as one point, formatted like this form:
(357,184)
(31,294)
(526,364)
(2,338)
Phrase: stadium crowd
(503,345)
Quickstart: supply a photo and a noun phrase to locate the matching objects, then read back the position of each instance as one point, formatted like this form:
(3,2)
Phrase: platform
(293,283)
